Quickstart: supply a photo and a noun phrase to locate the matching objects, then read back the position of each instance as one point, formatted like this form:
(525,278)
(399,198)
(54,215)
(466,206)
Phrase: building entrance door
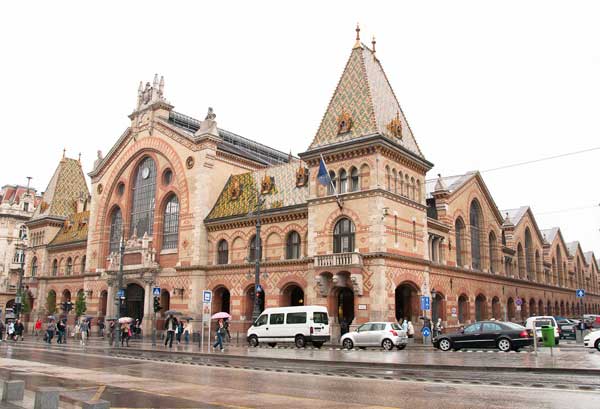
(134,299)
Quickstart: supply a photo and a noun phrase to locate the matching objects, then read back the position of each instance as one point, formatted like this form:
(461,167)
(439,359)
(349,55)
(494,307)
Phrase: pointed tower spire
(161,86)
(357,43)
(373,42)
(155,82)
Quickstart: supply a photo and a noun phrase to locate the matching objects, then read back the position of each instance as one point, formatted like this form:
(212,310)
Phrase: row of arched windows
(344,181)
(292,248)
(67,268)
(402,184)
(142,209)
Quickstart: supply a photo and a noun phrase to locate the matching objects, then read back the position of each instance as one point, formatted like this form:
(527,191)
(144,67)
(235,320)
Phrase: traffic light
(157,306)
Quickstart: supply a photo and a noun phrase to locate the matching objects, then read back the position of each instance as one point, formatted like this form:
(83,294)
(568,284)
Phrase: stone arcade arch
(134,301)
(406,302)
(480,308)
(292,296)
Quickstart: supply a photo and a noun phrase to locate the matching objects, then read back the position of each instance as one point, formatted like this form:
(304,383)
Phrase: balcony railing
(338,260)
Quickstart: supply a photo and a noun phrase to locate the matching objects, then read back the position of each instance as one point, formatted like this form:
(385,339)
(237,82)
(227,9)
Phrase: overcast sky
(482,84)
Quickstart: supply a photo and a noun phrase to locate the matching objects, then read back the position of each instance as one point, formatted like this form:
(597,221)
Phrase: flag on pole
(324,178)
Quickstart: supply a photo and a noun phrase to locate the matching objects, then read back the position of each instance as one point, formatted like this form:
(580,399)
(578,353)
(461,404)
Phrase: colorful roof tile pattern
(65,188)
(283,194)
(365,93)
(74,229)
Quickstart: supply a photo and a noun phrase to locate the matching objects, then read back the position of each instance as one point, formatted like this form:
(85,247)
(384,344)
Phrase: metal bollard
(13,391)
(46,398)
(95,404)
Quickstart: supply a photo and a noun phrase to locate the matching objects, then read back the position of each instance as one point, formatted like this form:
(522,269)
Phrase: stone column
(110,298)
(148,306)
(378,308)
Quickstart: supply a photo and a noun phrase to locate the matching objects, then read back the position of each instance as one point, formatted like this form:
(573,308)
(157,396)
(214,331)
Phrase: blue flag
(323,176)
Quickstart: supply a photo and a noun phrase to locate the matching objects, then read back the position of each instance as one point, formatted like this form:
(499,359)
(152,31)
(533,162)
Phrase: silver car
(373,334)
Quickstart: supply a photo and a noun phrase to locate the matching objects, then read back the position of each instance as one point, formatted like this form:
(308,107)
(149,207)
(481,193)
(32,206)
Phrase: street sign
(206,296)
(518,308)
(519,302)
(156,292)
(121,293)
(259,288)
(426,331)
(18,300)
(580,292)
(206,312)
(425,303)
(453,311)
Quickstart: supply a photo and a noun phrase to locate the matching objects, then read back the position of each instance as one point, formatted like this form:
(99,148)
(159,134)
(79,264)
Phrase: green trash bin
(548,335)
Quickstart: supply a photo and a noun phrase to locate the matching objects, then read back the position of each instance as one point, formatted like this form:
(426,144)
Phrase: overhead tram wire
(562,155)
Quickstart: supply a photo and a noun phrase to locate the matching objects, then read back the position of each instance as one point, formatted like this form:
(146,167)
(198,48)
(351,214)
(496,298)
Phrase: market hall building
(183,194)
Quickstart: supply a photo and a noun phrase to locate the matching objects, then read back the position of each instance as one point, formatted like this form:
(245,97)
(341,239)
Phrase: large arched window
(459,228)
(520,261)
(529,263)
(34,266)
(116,230)
(343,236)
(354,181)
(388,178)
(475,222)
(142,206)
(292,245)
(82,271)
(559,269)
(23,232)
(492,249)
(55,268)
(222,252)
(254,244)
(343,186)
(69,267)
(171,224)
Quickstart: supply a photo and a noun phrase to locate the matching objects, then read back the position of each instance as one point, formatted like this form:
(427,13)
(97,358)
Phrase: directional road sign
(580,292)
(156,292)
(206,296)
(121,293)
(519,302)
(426,331)
(425,303)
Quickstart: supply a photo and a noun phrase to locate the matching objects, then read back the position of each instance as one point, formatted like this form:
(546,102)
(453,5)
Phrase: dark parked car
(566,326)
(486,334)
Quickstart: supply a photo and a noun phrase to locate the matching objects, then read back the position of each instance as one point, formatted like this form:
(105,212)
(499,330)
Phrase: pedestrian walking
(60,332)
(37,327)
(101,328)
(50,329)
(179,332)
(10,331)
(125,333)
(19,329)
(439,327)
(219,336)
(111,333)
(405,326)
(227,333)
(187,328)
(410,330)
(170,326)
(84,328)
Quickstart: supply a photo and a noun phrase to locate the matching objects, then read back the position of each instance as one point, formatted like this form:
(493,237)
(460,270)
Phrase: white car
(592,340)
(299,325)
(541,321)
(374,334)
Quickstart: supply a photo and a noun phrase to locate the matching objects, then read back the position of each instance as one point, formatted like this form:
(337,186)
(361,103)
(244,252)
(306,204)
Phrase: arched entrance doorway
(463,309)
(134,301)
(345,305)
(293,296)
(496,310)
(406,303)
(221,300)
(438,307)
(480,308)
(510,309)
(103,302)
(532,306)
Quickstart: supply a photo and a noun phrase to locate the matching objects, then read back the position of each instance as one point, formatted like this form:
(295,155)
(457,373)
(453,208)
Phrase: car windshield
(541,323)
(512,325)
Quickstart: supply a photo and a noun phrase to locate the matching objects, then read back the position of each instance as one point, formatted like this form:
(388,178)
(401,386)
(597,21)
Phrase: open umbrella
(173,312)
(187,318)
(123,320)
(52,317)
(221,315)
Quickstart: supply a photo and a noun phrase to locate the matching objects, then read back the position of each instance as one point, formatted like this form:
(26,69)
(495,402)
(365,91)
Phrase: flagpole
(335,192)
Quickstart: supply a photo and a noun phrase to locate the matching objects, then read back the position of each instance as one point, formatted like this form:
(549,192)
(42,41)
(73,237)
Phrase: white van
(291,324)
(540,321)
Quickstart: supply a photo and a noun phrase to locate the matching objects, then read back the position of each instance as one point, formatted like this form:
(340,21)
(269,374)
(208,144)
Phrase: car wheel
(272,344)
(348,344)
(387,344)
(317,345)
(504,345)
(597,344)
(253,341)
(401,346)
(300,342)
(444,344)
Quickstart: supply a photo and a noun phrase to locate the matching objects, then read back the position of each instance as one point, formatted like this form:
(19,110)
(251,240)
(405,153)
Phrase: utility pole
(18,298)
(257,255)
(119,289)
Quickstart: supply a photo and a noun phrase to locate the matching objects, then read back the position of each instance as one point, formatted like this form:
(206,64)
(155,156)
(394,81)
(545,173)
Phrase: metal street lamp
(433,304)
(18,298)
(118,299)
(257,255)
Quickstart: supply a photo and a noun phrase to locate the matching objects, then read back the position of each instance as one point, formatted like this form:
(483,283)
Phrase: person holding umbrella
(125,329)
(170,325)
(219,336)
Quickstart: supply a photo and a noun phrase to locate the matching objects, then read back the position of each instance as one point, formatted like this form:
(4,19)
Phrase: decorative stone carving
(189,162)
(323,285)
(357,283)
(209,125)
(301,176)
(43,207)
(235,189)
(344,122)
(150,93)
(395,126)
(100,188)
(267,184)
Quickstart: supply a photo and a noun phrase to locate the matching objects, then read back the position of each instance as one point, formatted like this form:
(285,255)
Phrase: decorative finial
(373,44)
(357,44)
(64,153)
(79,158)
(161,86)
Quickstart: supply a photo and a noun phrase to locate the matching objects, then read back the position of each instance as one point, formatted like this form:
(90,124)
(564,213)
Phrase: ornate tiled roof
(65,188)
(73,230)
(364,94)
(283,191)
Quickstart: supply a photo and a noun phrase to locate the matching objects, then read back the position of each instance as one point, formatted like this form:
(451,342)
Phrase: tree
(80,306)
(51,302)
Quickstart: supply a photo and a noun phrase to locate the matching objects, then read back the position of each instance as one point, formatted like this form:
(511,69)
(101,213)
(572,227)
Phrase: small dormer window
(26,206)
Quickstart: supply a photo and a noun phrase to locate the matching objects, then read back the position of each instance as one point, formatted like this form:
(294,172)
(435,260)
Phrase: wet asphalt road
(142,383)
